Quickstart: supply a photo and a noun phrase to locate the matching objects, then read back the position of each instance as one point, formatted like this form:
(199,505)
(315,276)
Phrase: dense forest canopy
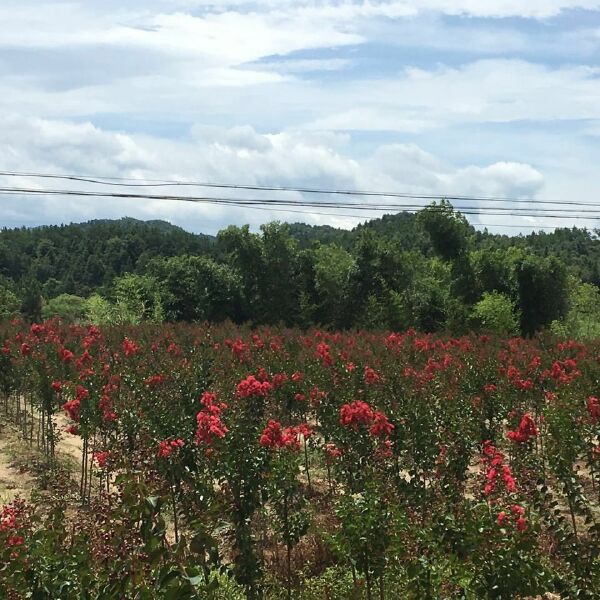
(431,270)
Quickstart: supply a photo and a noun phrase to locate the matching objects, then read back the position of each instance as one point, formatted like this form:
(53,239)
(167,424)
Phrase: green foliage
(138,298)
(334,269)
(582,322)
(99,311)
(66,306)
(31,303)
(448,230)
(543,292)
(380,274)
(197,288)
(9,301)
(496,313)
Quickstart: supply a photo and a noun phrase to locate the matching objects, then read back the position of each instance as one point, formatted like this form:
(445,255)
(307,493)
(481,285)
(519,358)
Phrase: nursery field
(198,461)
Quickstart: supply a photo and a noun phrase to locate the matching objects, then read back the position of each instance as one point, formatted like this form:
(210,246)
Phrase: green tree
(66,306)
(198,288)
(279,290)
(582,322)
(31,305)
(448,230)
(99,310)
(496,313)
(243,252)
(138,298)
(9,301)
(334,269)
(543,292)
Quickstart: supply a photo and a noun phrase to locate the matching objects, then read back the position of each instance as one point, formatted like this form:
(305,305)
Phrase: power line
(247,202)
(121,182)
(472,210)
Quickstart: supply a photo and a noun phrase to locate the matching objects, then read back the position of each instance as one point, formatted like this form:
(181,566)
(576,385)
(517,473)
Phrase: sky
(452,97)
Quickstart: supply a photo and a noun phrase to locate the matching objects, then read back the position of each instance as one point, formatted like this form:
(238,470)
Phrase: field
(196,461)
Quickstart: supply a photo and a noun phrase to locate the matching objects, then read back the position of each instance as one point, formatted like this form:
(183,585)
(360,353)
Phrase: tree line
(431,271)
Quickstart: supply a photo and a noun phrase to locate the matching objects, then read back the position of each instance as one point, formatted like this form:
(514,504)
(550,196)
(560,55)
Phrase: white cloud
(302,73)
(225,155)
(538,9)
(486,91)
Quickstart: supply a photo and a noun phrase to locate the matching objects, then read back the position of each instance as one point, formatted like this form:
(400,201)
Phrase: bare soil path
(15,479)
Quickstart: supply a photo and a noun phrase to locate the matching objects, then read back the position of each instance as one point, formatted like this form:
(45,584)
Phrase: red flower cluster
(274,436)
(101,458)
(527,429)
(496,470)
(360,413)
(130,348)
(563,371)
(73,407)
(65,354)
(323,352)
(155,380)
(252,387)
(208,420)
(10,523)
(519,517)
(371,376)
(166,447)
(332,451)
(239,348)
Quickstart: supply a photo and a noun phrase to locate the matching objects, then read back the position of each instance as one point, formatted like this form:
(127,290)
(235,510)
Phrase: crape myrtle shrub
(224,462)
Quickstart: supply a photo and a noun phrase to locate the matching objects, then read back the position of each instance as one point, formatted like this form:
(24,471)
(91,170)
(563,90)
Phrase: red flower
(25,349)
(502,516)
(305,430)
(273,436)
(65,354)
(278,380)
(155,380)
(57,386)
(72,408)
(496,470)
(101,458)
(355,414)
(130,348)
(252,387)
(371,376)
(360,413)
(166,447)
(593,408)
(323,352)
(332,451)
(521,524)
(527,429)
(208,420)
(381,426)
(16,540)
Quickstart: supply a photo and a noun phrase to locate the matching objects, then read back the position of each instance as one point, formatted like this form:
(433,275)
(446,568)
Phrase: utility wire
(247,202)
(267,204)
(127,182)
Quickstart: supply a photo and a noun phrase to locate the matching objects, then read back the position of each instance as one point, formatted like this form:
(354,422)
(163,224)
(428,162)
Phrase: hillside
(428,271)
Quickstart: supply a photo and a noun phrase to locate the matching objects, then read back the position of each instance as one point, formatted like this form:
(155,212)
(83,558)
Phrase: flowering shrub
(269,449)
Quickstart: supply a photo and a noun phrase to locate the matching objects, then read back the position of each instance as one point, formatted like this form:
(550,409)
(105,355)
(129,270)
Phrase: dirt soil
(15,480)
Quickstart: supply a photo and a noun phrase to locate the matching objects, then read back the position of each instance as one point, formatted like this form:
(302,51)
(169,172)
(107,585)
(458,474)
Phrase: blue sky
(482,97)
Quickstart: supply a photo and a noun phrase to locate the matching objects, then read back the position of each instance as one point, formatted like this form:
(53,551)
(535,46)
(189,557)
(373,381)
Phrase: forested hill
(80,258)
(431,271)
